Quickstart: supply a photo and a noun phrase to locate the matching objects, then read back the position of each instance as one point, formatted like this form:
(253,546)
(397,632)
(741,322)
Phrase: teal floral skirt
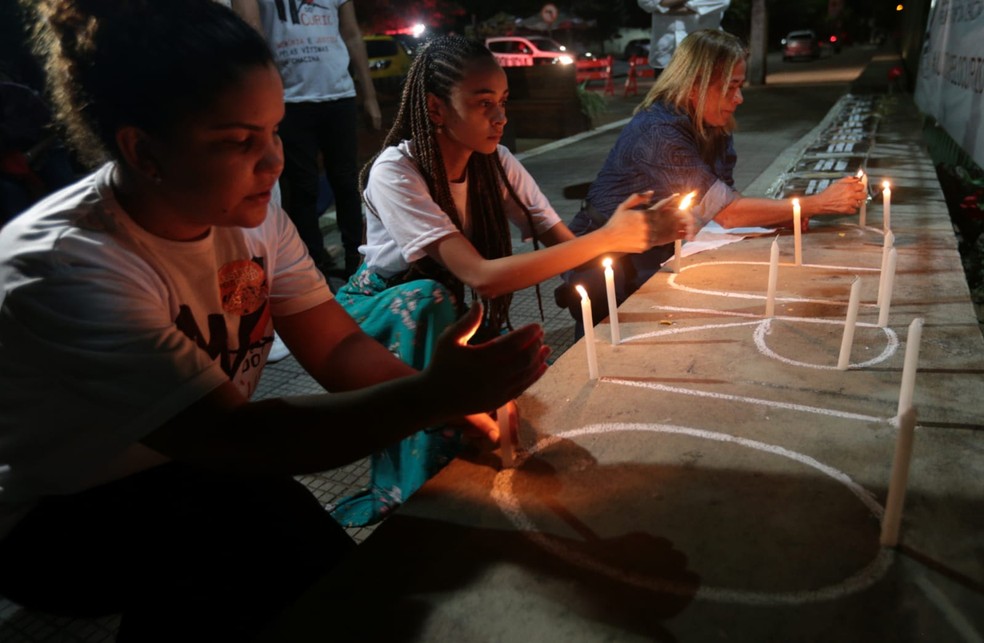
(407,319)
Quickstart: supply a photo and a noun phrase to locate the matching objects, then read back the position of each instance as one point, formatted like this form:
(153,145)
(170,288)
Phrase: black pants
(184,554)
(331,129)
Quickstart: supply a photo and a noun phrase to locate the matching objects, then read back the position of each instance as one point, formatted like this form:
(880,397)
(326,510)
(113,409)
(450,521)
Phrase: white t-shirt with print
(107,332)
(308,48)
(402,218)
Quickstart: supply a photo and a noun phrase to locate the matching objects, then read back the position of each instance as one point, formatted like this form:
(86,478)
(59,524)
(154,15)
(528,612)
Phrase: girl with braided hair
(441,196)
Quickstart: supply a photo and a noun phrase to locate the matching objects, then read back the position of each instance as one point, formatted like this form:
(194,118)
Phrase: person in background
(33,161)
(680,140)
(441,196)
(673,19)
(314,44)
(137,307)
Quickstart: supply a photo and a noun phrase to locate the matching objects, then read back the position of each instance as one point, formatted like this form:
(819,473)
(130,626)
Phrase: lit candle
(504,417)
(887,201)
(797,233)
(589,344)
(770,299)
(678,244)
(864,202)
(909,366)
(887,245)
(893,255)
(900,476)
(847,341)
(612,305)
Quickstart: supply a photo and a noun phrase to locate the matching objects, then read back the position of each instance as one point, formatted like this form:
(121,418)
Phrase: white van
(526,51)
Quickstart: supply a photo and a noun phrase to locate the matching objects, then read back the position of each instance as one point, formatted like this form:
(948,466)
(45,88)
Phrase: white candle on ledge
(770,298)
(889,284)
(612,304)
(797,234)
(887,245)
(589,342)
(910,365)
(887,203)
(863,216)
(504,418)
(847,341)
(899,479)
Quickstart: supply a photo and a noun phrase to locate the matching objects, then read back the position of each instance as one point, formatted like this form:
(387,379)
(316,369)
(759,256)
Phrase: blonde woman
(679,140)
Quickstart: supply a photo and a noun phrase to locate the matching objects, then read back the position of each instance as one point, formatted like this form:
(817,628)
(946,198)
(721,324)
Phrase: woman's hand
(841,197)
(473,379)
(637,230)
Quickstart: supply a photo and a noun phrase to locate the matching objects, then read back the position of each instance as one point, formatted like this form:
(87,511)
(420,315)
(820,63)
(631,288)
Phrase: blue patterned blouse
(658,150)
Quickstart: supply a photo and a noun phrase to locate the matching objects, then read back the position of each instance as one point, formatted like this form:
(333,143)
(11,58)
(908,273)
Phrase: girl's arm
(250,12)
(841,197)
(628,231)
(302,434)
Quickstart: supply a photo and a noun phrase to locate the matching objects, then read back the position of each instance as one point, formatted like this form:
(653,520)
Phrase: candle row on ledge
(906,415)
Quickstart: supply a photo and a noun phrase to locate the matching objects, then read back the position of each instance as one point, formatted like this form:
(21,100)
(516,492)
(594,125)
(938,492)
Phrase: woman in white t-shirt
(440,197)
(137,309)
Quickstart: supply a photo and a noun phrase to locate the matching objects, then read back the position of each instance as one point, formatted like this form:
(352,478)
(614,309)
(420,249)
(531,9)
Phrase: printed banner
(951,72)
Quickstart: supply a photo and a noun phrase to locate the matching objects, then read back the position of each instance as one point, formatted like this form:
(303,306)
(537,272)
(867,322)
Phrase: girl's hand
(474,379)
(637,230)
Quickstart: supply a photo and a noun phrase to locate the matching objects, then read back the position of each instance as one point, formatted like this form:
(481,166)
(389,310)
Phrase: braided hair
(437,68)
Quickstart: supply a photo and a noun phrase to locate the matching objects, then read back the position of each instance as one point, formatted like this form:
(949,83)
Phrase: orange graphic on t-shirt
(243,287)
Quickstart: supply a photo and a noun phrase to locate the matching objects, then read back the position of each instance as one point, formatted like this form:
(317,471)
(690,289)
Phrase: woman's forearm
(752,211)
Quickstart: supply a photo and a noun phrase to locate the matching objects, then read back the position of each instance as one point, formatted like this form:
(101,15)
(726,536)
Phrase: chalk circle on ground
(508,503)
(764,329)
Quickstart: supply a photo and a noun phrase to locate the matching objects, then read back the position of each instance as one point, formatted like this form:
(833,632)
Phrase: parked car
(523,51)
(637,47)
(801,44)
(388,57)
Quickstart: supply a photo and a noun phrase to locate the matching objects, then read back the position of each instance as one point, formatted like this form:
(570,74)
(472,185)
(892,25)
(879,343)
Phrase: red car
(800,44)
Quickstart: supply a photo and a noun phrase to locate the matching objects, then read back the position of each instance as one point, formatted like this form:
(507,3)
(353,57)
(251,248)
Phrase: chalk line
(764,327)
(505,498)
(846,415)
(953,615)
(891,344)
(671,281)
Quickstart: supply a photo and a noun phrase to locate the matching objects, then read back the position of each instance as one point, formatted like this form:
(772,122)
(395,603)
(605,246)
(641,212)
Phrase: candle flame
(582,291)
(607,262)
(685,201)
(464,339)
(886,185)
(796,203)
(860,173)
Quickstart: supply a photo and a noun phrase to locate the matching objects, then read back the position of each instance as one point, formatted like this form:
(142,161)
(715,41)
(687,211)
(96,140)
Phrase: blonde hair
(704,57)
